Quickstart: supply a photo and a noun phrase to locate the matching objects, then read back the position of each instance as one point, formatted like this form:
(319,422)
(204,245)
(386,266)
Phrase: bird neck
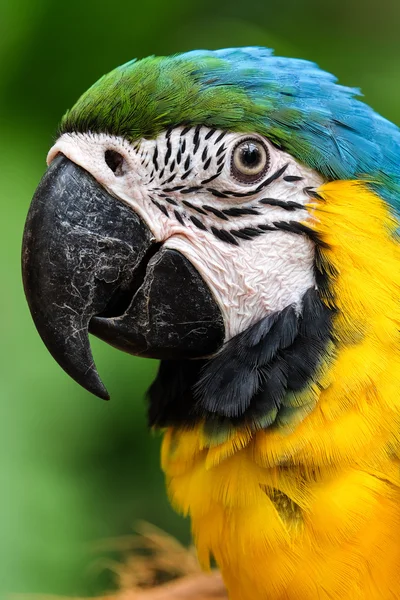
(309,508)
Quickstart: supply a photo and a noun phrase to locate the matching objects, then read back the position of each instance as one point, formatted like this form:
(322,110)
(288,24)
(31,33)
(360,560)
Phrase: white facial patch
(240,235)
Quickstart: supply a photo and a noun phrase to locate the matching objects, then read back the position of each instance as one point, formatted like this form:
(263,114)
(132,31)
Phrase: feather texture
(314,512)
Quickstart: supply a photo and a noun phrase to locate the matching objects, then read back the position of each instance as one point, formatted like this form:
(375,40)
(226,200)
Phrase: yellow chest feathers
(312,509)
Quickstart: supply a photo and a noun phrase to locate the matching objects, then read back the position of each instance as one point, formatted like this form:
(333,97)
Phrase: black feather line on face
(170,179)
(239,212)
(215,212)
(196,139)
(301,229)
(291,178)
(229,382)
(260,187)
(179,217)
(251,376)
(285,204)
(207,163)
(193,207)
(210,134)
(224,236)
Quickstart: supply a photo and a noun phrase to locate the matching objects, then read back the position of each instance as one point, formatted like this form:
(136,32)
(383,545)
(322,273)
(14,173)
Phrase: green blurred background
(74,469)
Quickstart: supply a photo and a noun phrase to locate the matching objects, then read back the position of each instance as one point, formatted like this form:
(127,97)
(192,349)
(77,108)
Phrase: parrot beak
(91,264)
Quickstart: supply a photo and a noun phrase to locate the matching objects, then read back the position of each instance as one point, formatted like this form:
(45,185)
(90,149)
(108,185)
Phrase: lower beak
(90,263)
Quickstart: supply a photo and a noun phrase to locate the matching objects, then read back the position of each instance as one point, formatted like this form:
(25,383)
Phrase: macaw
(236,215)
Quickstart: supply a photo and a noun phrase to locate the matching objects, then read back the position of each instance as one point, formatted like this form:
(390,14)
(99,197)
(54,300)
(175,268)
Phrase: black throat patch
(251,379)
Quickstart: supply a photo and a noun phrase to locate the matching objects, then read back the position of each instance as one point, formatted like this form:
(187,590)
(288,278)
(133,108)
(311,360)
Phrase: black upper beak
(90,263)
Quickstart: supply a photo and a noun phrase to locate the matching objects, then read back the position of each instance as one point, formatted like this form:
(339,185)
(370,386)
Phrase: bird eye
(250,160)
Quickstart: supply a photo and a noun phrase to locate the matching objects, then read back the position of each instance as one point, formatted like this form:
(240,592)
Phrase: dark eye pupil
(250,155)
(249,160)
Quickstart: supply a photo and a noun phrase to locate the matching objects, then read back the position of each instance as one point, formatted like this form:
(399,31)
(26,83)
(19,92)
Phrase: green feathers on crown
(143,98)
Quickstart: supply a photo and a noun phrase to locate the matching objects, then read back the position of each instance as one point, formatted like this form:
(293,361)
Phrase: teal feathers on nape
(299,107)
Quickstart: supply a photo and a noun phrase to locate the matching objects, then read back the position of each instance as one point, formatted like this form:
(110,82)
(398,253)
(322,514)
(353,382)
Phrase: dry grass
(158,567)
(155,567)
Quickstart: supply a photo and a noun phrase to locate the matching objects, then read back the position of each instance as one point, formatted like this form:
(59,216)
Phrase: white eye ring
(250,160)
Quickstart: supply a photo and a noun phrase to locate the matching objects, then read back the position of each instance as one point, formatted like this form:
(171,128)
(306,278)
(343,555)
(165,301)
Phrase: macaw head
(200,209)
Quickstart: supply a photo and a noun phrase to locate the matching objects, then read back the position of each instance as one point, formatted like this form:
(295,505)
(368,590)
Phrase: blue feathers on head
(317,120)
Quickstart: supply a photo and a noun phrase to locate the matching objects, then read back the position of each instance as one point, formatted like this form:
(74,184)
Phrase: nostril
(115,161)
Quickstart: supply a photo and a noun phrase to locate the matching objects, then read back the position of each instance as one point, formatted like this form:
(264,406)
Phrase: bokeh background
(75,470)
